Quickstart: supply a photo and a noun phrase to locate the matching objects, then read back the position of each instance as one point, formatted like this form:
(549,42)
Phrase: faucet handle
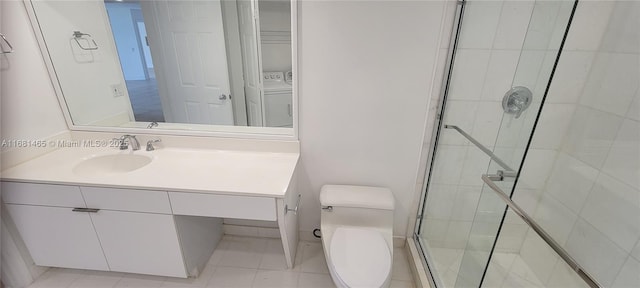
(150,144)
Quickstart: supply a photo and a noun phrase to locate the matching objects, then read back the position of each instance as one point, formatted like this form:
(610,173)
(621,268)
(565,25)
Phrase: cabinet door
(58,237)
(140,242)
(278,110)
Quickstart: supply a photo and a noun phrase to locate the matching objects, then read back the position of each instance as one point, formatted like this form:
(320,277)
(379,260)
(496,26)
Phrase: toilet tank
(362,206)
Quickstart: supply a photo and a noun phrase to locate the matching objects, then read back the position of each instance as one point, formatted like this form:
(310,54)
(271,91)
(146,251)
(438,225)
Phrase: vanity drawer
(127,199)
(42,194)
(225,206)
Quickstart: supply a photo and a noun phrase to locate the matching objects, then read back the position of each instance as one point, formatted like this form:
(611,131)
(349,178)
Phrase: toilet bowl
(356,225)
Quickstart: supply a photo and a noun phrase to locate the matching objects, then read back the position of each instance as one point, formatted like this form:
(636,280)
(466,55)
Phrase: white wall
(30,111)
(366,70)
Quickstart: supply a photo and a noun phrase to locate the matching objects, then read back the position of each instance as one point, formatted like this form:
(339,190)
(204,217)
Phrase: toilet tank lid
(356,197)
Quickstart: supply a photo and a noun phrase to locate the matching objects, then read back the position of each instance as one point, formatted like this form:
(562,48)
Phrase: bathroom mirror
(188,65)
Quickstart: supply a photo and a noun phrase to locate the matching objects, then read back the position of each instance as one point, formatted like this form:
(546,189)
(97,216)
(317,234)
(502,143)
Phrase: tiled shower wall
(589,200)
(502,44)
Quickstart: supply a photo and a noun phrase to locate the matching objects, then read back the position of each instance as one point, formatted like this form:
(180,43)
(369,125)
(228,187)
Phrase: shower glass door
(501,49)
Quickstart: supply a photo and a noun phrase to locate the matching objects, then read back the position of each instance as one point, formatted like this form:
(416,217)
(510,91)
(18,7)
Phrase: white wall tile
(538,256)
(466,201)
(564,276)
(434,231)
(623,161)
(514,21)
(511,237)
(448,164)
(487,122)
(617,76)
(635,253)
(634,110)
(541,25)
(483,235)
(527,199)
(555,218)
(591,134)
(468,74)
(460,113)
(570,77)
(570,181)
(629,275)
(490,206)
(457,234)
(537,165)
(529,66)
(590,23)
(614,209)
(481,22)
(475,164)
(623,35)
(595,252)
(500,74)
(440,201)
(552,126)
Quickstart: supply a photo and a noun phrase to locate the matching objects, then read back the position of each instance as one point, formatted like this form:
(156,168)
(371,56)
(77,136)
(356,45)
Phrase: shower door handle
(489,180)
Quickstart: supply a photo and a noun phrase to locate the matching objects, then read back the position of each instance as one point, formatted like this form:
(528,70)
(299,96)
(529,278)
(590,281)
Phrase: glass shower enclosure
(537,148)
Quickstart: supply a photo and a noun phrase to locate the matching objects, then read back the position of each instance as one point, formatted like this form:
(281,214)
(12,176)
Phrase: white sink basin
(111,164)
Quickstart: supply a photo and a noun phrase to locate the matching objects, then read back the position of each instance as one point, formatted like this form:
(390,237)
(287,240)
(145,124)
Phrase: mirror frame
(224,131)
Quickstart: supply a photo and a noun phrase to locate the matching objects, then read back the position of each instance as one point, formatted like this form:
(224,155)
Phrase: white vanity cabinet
(141,243)
(145,231)
(58,237)
(120,230)
(136,229)
(54,234)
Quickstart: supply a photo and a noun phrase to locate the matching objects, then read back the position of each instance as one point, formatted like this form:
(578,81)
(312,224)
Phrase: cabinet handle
(88,210)
(294,210)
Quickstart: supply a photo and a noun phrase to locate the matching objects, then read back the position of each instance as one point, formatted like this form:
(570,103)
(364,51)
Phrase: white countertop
(245,173)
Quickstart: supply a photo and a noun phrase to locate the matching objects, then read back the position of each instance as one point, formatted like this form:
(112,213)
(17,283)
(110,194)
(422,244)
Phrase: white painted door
(142,243)
(58,237)
(251,60)
(192,64)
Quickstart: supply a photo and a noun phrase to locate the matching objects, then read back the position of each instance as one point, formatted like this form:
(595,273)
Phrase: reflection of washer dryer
(277,100)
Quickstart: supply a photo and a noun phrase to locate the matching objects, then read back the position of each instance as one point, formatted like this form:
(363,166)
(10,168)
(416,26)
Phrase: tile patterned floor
(236,262)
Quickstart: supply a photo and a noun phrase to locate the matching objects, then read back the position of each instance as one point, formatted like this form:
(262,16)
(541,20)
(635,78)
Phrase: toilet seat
(360,257)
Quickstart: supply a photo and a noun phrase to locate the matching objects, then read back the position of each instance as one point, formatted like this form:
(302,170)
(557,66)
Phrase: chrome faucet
(150,144)
(152,124)
(127,139)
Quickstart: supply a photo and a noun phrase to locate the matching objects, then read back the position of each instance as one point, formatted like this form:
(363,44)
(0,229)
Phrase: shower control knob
(517,100)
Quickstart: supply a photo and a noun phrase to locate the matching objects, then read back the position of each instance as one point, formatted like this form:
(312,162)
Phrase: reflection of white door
(252,64)
(192,63)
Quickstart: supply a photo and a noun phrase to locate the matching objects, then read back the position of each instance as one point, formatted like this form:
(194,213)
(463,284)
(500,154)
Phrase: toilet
(357,236)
